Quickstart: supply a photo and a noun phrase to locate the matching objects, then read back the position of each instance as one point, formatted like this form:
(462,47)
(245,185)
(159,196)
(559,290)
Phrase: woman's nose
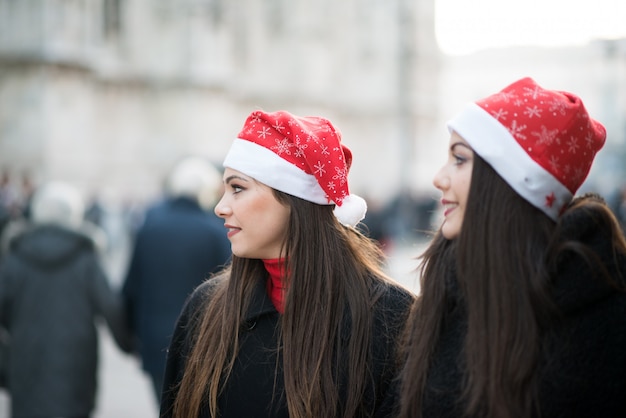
(441,180)
(221,209)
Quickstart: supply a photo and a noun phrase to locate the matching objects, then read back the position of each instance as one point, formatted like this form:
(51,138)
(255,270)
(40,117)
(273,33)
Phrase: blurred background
(108,94)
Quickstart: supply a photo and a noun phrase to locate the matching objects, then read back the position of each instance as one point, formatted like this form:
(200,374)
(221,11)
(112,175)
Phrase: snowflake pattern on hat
(310,143)
(301,156)
(548,144)
(553,128)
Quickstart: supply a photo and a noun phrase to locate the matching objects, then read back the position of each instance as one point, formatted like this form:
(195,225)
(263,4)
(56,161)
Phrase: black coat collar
(260,304)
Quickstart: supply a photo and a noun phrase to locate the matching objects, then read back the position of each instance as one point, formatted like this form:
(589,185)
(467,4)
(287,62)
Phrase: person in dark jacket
(523,305)
(53,291)
(303,322)
(180,243)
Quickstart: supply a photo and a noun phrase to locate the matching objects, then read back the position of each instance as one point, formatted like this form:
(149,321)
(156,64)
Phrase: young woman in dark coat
(303,323)
(523,310)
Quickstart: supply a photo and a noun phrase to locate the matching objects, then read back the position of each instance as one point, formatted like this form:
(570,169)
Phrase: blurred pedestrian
(95,212)
(523,305)
(8,201)
(26,190)
(52,291)
(180,243)
(303,322)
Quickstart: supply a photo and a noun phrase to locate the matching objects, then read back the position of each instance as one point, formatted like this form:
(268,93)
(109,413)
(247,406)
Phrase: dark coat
(178,246)
(582,370)
(52,289)
(250,391)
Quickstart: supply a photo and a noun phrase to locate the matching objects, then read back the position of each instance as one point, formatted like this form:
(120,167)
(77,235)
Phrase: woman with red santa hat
(303,322)
(523,308)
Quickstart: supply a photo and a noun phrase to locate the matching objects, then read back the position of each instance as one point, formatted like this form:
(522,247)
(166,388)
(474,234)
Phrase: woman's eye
(236,188)
(458,160)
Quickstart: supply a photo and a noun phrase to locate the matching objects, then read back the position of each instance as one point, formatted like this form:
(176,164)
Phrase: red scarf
(275,283)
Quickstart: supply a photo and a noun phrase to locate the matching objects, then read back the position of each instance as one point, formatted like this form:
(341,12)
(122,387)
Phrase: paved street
(125,392)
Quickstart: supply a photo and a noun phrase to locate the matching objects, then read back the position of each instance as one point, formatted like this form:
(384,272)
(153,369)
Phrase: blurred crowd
(171,245)
(57,284)
(15,197)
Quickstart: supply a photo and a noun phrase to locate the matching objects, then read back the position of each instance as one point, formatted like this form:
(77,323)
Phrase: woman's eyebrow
(234,177)
(462,144)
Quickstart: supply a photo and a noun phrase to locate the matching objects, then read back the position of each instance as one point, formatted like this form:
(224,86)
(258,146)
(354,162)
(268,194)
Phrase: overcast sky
(464,26)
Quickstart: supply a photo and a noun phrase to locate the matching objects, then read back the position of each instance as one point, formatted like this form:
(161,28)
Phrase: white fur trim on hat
(495,144)
(270,169)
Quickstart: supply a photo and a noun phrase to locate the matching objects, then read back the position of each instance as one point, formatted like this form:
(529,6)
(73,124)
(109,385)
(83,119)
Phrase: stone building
(108,94)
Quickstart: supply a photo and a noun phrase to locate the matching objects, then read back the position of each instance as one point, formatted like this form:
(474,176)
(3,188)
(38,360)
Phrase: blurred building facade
(108,94)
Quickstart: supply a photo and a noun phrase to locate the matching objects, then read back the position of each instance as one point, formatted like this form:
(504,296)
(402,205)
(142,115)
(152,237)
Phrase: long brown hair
(334,271)
(502,261)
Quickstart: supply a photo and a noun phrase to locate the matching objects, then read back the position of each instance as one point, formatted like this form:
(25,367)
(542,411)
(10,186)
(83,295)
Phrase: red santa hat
(541,142)
(300,156)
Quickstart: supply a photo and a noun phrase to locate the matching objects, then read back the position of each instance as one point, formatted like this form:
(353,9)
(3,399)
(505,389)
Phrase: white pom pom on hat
(351,211)
(300,156)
